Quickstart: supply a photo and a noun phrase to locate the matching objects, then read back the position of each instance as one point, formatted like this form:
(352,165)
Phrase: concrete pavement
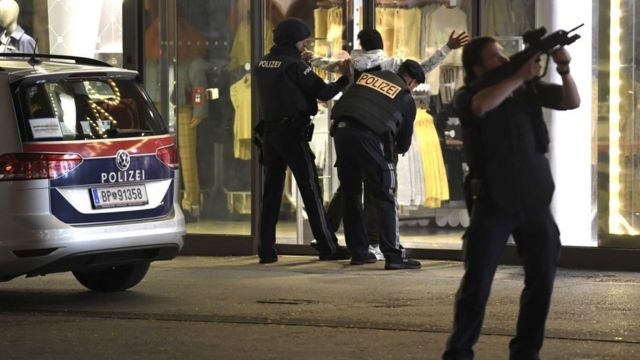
(233,308)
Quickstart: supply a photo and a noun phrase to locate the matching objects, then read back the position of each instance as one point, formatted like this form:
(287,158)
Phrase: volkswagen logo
(123,160)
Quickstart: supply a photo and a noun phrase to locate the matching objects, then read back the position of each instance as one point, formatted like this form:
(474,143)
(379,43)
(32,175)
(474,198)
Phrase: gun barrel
(576,28)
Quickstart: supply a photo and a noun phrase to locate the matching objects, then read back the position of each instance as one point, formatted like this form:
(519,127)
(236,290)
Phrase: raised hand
(456,42)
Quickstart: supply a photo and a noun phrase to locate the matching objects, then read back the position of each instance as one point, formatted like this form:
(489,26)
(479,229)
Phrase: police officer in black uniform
(288,90)
(372,119)
(511,187)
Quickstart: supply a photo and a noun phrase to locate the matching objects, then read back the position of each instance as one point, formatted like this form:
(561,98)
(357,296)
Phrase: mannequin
(188,96)
(13,38)
(192,110)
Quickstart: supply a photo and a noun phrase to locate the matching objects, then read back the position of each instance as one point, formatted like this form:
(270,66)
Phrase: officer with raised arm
(289,90)
(510,187)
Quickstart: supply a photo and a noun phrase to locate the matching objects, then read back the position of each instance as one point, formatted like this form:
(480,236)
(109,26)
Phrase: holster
(472,189)
(303,125)
(307,131)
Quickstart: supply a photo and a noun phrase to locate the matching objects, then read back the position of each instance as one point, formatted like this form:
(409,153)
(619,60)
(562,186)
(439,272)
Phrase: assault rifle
(536,43)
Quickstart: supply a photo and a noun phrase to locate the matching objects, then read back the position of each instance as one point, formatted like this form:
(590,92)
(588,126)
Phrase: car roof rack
(35,58)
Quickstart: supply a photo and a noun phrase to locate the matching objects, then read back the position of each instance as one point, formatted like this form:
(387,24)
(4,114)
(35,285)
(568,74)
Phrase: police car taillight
(169,156)
(33,166)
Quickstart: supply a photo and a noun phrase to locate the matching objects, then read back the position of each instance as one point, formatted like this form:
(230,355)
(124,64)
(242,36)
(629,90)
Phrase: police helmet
(289,31)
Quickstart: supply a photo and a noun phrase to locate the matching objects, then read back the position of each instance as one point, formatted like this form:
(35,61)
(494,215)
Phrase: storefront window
(430,176)
(209,46)
(619,131)
(68,27)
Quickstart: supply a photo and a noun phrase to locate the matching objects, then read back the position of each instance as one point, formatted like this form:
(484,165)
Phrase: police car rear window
(76,109)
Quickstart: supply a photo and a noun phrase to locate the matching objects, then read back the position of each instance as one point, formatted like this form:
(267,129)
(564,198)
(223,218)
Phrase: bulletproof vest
(279,97)
(375,101)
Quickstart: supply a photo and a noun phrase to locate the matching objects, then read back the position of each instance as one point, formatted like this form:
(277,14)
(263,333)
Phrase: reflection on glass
(624,207)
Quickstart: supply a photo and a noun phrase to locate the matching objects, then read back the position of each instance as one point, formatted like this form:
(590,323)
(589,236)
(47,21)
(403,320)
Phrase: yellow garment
(241,47)
(320,23)
(334,29)
(268,37)
(436,185)
(405,36)
(386,25)
(188,161)
(241,99)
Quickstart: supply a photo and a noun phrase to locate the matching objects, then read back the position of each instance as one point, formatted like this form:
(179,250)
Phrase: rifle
(536,43)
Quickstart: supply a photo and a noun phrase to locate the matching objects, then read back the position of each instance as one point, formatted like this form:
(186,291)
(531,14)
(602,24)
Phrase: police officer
(372,119)
(511,186)
(288,90)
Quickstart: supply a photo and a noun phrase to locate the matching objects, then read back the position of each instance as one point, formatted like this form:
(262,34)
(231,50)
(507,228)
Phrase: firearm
(536,43)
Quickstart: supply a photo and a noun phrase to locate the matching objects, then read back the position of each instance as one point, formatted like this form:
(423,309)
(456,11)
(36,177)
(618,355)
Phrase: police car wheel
(115,278)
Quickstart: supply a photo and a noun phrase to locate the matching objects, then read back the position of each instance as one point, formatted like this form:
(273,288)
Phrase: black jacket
(288,87)
(506,147)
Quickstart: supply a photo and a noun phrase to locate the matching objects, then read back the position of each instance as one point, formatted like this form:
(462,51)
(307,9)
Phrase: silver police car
(88,173)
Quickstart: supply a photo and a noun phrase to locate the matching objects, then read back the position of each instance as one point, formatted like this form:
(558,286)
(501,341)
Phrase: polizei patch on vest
(379,84)
(273,64)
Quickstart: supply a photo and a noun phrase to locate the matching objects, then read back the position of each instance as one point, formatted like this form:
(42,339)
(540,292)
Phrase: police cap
(413,70)
(289,31)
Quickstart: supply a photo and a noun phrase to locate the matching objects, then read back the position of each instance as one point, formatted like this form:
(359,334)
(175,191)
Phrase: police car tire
(115,278)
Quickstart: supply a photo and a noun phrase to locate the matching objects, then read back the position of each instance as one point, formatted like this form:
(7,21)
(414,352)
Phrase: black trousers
(334,214)
(538,243)
(282,147)
(361,158)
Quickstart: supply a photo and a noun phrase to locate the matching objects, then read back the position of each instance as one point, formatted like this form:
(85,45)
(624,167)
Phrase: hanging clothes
(440,24)
(386,24)
(405,36)
(334,29)
(410,176)
(320,22)
(424,28)
(240,95)
(436,185)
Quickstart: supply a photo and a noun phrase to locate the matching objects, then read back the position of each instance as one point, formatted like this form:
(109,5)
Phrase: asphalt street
(301,308)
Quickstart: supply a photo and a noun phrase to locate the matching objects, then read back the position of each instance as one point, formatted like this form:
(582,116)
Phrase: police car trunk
(104,150)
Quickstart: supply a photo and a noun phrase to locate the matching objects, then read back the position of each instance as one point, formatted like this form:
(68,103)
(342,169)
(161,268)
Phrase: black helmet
(413,70)
(289,31)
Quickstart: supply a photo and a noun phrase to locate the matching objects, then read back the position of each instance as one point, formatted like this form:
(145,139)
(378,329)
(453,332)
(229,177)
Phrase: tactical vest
(375,101)
(279,97)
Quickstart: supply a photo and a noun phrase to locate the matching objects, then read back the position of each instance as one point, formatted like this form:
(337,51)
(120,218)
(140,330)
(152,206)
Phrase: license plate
(108,197)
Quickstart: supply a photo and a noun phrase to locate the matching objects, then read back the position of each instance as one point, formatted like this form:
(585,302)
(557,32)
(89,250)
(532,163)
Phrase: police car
(88,173)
